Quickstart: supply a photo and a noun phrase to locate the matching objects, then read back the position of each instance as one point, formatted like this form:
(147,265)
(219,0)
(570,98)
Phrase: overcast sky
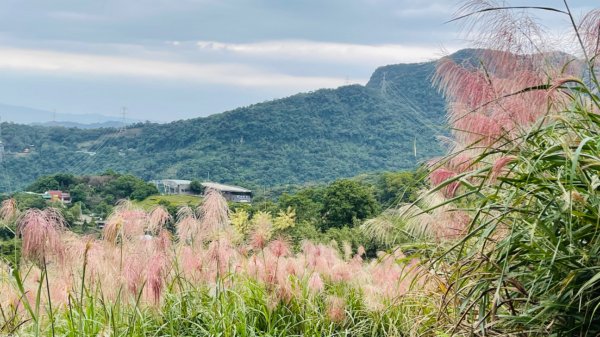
(175,59)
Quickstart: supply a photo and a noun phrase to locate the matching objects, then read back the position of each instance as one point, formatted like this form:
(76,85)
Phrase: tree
(67,214)
(122,187)
(196,187)
(76,210)
(346,202)
(60,181)
(65,180)
(102,209)
(142,191)
(129,186)
(79,193)
(307,202)
(399,187)
(43,184)
(26,201)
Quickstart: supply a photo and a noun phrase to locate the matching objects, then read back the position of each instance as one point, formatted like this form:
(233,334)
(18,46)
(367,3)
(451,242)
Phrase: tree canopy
(345,202)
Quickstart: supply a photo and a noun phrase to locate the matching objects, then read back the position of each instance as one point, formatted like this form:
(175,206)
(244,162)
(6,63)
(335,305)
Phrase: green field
(176,200)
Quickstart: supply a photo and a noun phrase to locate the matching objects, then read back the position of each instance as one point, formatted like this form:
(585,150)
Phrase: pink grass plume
(41,232)
(336,309)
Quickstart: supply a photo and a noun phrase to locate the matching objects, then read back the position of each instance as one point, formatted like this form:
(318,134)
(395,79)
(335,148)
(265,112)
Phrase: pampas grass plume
(41,233)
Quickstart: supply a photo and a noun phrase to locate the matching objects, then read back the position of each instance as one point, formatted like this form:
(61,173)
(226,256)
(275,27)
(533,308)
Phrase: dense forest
(391,123)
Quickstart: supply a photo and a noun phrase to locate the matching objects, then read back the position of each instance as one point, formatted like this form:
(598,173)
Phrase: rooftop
(226,188)
(174,181)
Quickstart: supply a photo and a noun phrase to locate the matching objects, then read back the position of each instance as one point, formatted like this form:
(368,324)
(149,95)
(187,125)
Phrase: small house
(173,186)
(231,193)
(57,196)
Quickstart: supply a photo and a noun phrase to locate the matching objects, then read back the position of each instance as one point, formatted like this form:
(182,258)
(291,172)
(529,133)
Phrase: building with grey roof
(179,186)
(230,192)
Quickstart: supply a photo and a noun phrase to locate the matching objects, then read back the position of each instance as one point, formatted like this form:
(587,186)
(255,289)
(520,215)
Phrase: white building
(173,186)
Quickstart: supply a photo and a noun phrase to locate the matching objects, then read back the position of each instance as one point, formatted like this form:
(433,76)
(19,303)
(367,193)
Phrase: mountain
(107,124)
(26,115)
(391,123)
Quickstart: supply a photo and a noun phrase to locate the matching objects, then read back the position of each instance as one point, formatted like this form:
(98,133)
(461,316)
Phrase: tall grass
(521,182)
(211,280)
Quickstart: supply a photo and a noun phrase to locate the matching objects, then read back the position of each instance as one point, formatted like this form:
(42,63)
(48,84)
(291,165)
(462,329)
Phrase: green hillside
(315,136)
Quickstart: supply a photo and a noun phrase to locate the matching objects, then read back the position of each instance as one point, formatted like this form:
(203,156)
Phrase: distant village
(169,187)
(165,187)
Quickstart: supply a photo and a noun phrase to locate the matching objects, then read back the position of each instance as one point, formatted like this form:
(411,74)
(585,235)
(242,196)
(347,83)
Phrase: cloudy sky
(173,59)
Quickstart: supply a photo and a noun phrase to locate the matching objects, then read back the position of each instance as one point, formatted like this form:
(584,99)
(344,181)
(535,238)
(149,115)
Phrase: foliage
(43,184)
(129,186)
(394,188)
(10,251)
(95,194)
(285,219)
(346,202)
(27,201)
(196,187)
(308,203)
(240,220)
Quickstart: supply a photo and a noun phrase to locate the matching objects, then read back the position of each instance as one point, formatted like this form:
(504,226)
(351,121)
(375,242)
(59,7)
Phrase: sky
(166,60)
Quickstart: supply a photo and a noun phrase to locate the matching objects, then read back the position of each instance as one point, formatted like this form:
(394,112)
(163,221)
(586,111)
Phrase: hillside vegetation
(315,136)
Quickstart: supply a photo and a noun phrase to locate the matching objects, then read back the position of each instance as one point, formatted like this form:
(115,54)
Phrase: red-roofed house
(55,196)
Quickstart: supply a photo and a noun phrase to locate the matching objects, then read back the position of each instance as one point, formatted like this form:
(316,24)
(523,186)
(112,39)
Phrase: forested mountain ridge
(315,136)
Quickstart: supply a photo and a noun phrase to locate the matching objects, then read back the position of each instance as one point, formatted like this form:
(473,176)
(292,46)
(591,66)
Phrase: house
(178,186)
(57,196)
(173,186)
(231,193)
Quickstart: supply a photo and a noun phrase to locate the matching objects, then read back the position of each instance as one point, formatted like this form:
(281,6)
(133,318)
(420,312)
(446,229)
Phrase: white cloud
(429,10)
(326,51)
(62,63)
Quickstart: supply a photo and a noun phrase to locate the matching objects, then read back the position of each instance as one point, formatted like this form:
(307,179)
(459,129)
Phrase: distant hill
(107,124)
(391,123)
(26,115)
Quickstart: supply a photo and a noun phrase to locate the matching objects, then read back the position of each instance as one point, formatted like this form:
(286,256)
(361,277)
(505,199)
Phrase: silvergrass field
(504,241)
